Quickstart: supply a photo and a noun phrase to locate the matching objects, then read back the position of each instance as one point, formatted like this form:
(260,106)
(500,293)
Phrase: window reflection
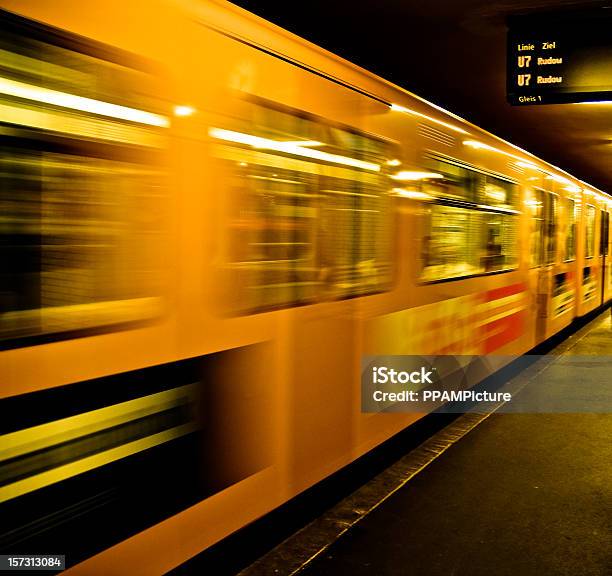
(535,204)
(501,241)
(570,238)
(543,222)
(82,190)
(80,241)
(449,249)
(590,232)
(471,226)
(311,209)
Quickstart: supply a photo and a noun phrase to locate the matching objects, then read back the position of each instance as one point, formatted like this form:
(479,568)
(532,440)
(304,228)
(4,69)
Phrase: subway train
(206,222)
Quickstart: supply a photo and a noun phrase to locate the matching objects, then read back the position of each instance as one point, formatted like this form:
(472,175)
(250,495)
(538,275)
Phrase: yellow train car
(206,223)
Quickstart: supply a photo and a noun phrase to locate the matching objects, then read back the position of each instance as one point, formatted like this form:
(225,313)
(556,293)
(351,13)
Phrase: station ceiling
(453,53)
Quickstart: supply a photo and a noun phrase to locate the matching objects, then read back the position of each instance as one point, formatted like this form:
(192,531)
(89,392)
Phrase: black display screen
(559,58)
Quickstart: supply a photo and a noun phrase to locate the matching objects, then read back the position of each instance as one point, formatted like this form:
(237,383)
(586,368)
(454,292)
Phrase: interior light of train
(398,108)
(497,209)
(183,110)
(413,194)
(533,203)
(394,162)
(410,175)
(572,188)
(65,100)
(498,195)
(289,148)
(304,142)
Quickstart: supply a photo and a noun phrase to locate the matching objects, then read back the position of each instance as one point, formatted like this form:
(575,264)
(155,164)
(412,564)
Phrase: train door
(353,228)
(589,284)
(603,254)
(309,230)
(543,250)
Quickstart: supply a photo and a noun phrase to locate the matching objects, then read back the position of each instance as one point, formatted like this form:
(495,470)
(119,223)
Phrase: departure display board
(560,58)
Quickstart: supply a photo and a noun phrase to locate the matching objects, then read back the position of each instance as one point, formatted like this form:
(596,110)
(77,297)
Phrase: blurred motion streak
(81,198)
(205,223)
(36,457)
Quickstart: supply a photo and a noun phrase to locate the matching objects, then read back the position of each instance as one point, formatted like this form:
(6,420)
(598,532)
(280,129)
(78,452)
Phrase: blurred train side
(278,351)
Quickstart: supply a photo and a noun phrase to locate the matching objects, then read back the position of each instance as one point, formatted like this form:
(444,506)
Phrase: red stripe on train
(504,291)
(504,331)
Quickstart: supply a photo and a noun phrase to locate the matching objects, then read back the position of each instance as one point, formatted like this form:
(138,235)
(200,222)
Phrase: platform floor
(518,494)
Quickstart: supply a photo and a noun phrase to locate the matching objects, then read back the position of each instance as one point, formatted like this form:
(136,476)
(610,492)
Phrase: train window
(467,232)
(456,181)
(450,245)
(560,284)
(603,237)
(570,238)
(355,235)
(590,231)
(536,210)
(274,236)
(311,214)
(81,188)
(550,227)
(543,237)
(461,241)
(494,191)
(459,182)
(499,251)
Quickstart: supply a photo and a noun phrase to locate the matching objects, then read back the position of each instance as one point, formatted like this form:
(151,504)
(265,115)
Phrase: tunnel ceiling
(452,52)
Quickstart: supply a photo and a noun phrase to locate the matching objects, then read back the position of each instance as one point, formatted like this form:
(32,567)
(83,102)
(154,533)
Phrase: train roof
(237,22)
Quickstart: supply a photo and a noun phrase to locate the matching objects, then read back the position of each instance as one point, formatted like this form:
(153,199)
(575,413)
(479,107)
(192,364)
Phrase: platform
(501,494)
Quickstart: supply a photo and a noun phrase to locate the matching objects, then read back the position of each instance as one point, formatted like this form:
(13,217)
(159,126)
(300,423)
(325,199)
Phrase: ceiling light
(183,110)
(289,148)
(73,102)
(410,175)
(412,194)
